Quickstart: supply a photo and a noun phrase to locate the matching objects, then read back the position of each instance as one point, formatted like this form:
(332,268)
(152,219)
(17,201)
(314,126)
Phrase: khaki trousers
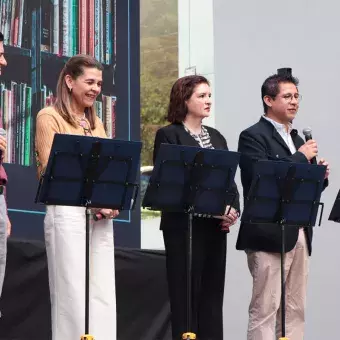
(264,309)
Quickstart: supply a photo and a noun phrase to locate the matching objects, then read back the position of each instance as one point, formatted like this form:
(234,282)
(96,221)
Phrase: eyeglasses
(289,97)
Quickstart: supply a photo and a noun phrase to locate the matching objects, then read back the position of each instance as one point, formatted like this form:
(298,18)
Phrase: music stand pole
(189,335)
(283,284)
(87,336)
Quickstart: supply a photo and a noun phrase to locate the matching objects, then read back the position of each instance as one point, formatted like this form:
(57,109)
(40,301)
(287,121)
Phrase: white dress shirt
(282,130)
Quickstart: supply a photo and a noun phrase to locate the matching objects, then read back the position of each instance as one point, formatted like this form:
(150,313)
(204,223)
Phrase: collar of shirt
(203,131)
(278,126)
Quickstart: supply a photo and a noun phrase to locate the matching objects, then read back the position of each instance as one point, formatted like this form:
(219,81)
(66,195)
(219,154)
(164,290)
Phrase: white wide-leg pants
(65,247)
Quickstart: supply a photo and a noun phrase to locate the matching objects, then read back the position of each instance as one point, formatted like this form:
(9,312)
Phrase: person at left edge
(190,103)
(5,224)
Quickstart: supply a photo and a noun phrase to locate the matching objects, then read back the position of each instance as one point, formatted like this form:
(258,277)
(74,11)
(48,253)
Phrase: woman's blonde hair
(74,68)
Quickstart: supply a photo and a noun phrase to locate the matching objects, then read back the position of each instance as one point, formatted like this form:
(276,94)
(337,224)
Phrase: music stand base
(87,337)
(188,336)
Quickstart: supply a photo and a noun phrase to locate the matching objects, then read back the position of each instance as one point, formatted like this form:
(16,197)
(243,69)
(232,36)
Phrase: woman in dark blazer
(190,103)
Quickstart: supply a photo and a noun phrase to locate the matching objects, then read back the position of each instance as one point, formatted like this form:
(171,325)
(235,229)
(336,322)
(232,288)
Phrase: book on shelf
(70,27)
(46,31)
(109,115)
(47,98)
(16,119)
(15,22)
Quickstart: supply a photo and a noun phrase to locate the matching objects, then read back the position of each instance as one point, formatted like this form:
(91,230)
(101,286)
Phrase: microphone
(308,136)
(3,134)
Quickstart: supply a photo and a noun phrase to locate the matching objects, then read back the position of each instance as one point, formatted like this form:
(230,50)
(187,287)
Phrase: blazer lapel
(298,142)
(216,141)
(275,134)
(184,137)
(280,140)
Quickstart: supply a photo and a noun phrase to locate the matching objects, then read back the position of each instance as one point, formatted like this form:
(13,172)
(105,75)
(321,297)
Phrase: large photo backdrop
(40,36)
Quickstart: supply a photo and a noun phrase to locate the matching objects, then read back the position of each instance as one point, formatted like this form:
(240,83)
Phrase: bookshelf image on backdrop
(15,82)
(39,37)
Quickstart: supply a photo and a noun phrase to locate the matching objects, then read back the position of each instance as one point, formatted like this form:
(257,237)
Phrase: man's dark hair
(271,86)
(1,37)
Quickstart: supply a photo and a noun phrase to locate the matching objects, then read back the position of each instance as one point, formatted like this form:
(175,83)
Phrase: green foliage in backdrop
(159,66)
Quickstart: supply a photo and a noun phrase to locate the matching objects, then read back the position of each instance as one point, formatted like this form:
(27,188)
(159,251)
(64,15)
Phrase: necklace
(82,121)
(80,118)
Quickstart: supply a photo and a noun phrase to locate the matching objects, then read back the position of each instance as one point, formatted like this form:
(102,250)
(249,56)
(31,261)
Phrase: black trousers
(208,273)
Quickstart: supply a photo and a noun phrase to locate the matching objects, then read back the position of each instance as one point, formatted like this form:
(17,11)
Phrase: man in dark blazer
(273,138)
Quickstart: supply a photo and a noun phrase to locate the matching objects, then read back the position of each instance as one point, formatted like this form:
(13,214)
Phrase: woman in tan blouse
(78,87)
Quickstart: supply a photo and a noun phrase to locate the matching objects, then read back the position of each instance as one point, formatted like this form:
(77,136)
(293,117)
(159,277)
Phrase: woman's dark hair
(1,37)
(181,91)
(271,86)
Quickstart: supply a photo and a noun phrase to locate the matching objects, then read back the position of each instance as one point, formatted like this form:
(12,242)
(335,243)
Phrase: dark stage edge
(141,289)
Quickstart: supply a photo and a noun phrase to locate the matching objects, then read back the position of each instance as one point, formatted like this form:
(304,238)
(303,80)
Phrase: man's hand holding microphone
(310,150)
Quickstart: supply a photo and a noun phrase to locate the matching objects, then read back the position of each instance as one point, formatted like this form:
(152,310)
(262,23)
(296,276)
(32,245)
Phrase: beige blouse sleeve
(100,128)
(46,128)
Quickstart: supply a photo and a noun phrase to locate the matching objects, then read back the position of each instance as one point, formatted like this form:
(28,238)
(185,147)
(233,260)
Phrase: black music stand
(284,194)
(90,172)
(335,212)
(191,180)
